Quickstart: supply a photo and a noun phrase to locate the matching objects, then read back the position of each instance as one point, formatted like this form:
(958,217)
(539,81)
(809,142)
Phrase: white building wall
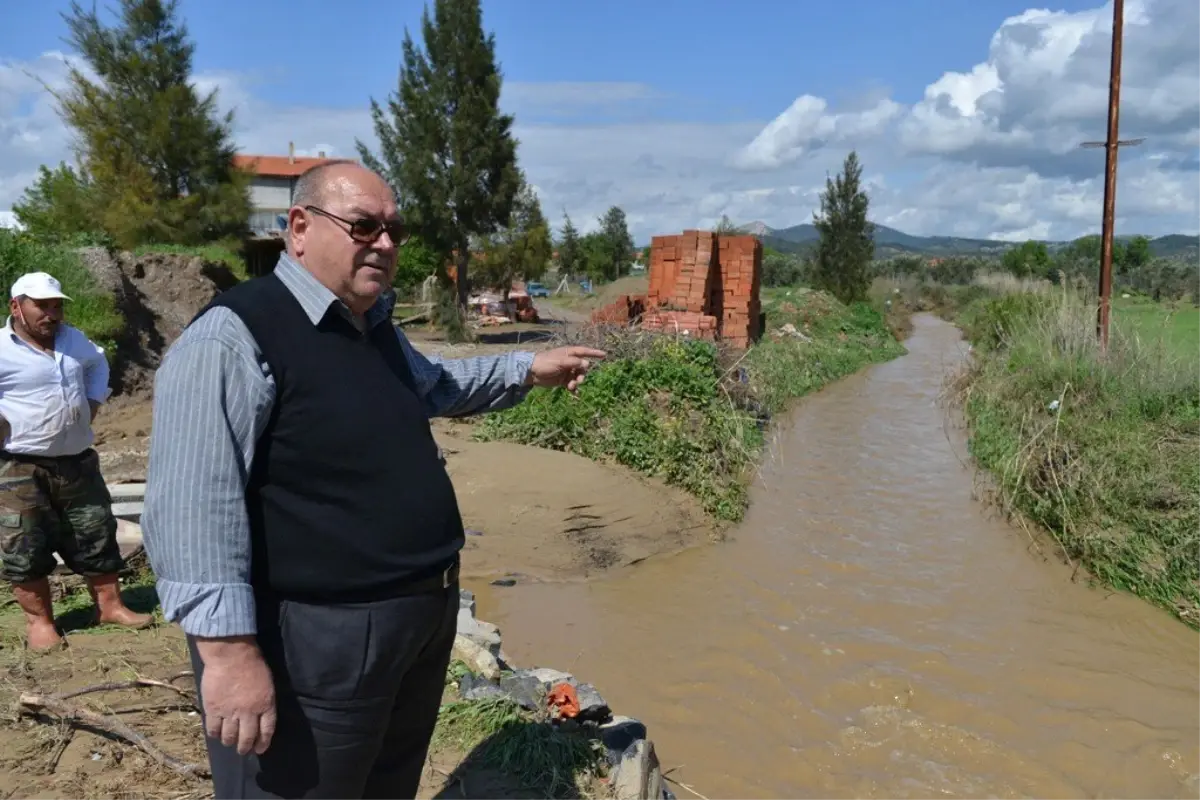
(271,194)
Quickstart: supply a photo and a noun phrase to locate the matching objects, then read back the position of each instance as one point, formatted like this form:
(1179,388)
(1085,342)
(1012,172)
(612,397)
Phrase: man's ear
(298,223)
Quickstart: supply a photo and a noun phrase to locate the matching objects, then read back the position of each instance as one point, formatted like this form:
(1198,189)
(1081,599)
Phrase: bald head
(315,182)
(328,200)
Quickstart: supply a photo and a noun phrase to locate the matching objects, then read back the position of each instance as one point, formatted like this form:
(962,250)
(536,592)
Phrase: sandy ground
(41,757)
(531,514)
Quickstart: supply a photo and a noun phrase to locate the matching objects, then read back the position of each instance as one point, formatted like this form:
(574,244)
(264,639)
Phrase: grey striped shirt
(212,397)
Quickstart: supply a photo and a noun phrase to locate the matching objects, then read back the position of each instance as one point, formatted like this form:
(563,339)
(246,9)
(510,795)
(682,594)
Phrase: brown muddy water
(870,630)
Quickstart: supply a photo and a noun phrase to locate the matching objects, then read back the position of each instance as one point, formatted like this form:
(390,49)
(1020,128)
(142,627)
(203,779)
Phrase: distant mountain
(889,241)
(1176,244)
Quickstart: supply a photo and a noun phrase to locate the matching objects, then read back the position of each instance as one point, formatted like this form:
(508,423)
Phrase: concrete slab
(127,491)
(128,510)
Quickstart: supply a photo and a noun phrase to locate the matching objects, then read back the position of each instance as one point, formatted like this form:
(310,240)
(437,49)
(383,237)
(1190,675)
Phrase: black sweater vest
(347,497)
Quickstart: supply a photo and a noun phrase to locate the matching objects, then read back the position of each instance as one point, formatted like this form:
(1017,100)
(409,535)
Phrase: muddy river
(871,630)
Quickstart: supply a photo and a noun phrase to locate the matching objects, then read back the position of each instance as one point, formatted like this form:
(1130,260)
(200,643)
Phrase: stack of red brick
(625,309)
(741,282)
(683,270)
(702,283)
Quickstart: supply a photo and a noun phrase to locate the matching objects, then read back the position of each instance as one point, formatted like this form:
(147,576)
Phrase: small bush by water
(690,412)
(1099,449)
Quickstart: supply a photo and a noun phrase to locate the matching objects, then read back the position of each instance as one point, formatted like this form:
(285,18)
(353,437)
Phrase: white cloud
(807,126)
(988,151)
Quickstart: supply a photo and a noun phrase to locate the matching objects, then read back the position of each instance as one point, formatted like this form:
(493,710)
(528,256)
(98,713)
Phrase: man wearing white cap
(52,496)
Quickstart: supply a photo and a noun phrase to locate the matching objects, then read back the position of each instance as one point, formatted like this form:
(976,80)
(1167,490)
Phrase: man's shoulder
(215,326)
(76,338)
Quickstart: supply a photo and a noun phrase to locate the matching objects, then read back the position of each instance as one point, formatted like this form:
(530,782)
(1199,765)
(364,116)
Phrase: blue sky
(964,113)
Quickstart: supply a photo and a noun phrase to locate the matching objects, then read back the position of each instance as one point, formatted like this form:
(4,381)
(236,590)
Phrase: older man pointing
(302,525)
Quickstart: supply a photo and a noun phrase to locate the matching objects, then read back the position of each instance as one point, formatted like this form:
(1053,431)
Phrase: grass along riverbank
(1100,451)
(690,412)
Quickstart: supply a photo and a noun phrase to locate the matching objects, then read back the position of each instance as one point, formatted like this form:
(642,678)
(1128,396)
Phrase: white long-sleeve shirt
(44,396)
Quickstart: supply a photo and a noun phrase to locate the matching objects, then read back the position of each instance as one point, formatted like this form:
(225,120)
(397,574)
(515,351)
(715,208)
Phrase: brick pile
(702,283)
(623,310)
(741,283)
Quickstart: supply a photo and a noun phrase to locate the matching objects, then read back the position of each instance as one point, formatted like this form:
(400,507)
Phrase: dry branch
(74,714)
(133,684)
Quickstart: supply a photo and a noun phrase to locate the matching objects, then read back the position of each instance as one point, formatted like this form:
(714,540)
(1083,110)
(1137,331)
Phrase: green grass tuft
(497,733)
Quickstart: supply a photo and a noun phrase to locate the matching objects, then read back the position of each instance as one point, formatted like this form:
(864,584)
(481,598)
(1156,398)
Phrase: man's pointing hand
(563,366)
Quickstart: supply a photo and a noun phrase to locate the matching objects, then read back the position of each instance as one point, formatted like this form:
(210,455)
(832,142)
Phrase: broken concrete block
(591,705)
(485,634)
(466,600)
(477,658)
(551,677)
(524,690)
(639,775)
(618,735)
(475,688)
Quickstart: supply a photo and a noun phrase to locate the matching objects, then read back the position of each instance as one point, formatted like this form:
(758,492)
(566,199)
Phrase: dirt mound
(158,294)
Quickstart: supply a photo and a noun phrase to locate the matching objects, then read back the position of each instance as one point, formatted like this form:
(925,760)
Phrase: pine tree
(520,250)
(570,255)
(59,206)
(155,159)
(446,148)
(847,244)
(615,233)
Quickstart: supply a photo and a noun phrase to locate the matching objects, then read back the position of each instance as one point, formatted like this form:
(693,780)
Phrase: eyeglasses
(368,229)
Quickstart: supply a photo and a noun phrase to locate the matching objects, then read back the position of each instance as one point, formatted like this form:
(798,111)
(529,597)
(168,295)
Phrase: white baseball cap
(38,286)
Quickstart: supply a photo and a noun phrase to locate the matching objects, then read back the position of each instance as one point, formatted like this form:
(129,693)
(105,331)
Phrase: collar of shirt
(316,299)
(12,337)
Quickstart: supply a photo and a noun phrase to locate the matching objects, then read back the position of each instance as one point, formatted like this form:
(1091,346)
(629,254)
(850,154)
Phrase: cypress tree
(615,233)
(570,253)
(847,244)
(444,145)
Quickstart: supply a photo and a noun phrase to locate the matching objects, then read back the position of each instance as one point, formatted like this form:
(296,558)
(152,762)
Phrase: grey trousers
(357,692)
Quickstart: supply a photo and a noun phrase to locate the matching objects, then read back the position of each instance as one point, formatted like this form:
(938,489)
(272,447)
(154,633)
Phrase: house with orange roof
(273,185)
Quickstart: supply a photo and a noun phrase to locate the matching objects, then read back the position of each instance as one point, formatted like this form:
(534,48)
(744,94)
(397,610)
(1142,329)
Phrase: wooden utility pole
(1111,145)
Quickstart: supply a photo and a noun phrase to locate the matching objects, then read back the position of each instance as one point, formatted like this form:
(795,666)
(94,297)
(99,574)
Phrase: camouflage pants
(50,505)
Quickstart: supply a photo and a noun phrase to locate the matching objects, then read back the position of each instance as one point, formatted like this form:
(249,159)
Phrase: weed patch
(693,413)
(1099,449)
